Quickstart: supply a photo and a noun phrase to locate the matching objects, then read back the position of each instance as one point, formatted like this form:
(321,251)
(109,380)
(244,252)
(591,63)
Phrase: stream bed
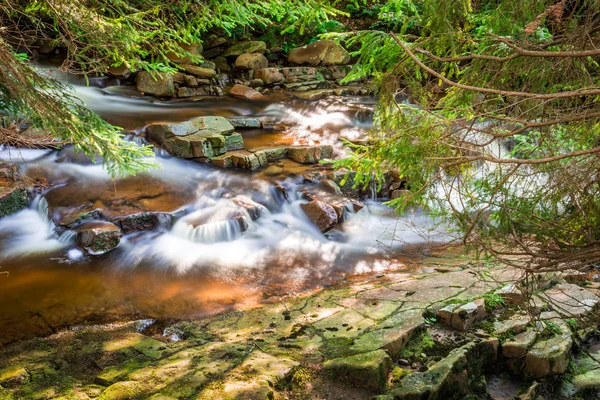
(178,270)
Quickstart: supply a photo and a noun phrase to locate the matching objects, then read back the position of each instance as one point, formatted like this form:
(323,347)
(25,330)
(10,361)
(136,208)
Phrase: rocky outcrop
(463,317)
(321,52)
(251,61)
(204,137)
(159,84)
(367,369)
(98,237)
(245,92)
(321,214)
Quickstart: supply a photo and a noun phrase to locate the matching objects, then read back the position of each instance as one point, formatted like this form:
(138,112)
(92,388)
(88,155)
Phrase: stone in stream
(245,123)
(245,92)
(269,75)
(240,48)
(120,70)
(200,137)
(98,237)
(321,52)
(71,217)
(143,221)
(251,61)
(249,161)
(310,154)
(159,84)
(253,209)
(321,214)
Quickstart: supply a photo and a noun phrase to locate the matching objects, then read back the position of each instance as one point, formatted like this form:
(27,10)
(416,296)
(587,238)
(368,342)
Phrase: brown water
(167,273)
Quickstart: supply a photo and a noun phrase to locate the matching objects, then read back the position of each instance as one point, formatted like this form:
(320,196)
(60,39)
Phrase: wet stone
(322,215)
(98,237)
(310,154)
(12,199)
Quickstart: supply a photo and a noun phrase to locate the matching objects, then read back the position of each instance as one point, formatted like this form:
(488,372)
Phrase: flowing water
(186,268)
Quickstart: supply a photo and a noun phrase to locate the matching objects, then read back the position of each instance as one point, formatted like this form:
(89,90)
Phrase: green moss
(421,343)
(14,202)
(397,374)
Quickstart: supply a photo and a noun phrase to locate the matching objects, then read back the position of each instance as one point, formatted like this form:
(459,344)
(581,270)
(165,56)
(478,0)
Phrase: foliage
(501,134)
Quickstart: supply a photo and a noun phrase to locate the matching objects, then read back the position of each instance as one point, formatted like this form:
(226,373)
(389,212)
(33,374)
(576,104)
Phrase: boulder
(321,52)
(199,71)
(120,70)
(240,48)
(200,137)
(251,61)
(193,48)
(269,75)
(159,84)
(249,161)
(221,64)
(98,237)
(321,214)
(245,92)
(370,369)
(310,154)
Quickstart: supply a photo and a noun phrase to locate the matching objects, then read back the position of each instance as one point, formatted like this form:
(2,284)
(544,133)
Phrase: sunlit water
(187,268)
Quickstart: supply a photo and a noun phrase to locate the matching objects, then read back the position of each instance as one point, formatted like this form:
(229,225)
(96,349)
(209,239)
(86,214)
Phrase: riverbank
(376,334)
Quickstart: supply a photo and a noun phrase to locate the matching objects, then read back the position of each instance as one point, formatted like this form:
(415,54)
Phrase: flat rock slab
(570,300)
(347,323)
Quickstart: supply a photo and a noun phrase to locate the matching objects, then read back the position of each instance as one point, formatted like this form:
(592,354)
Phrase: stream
(178,270)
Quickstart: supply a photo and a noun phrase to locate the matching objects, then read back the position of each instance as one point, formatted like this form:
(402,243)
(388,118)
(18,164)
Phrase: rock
(245,123)
(199,71)
(245,92)
(370,369)
(281,191)
(517,346)
(273,170)
(123,391)
(256,83)
(200,137)
(589,380)
(510,293)
(120,70)
(194,48)
(160,84)
(249,161)
(240,48)
(98,237)
(71,217)
(571,300)
(310,154)
(221,64)
(275,153)
(321,52)
(13,377)
(145,221)
(253,209)
(13,198)
(463,317)
(321,214)
(224,161)
(301,75)
(517,324)
(317,94)
(550,356)
(190,81)
(208,65)
(251,61)
(269,75)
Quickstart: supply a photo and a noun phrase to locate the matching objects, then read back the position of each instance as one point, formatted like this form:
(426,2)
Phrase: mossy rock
(13,200)
(370,369)
(127,390)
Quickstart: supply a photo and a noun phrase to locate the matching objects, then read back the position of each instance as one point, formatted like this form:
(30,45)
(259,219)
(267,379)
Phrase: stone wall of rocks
(319,65)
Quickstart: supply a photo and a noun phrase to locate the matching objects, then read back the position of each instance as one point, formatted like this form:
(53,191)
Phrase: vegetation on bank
(503,143)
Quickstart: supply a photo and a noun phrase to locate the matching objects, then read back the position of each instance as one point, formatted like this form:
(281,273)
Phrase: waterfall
(67,237)
(41,205)
(211,232)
